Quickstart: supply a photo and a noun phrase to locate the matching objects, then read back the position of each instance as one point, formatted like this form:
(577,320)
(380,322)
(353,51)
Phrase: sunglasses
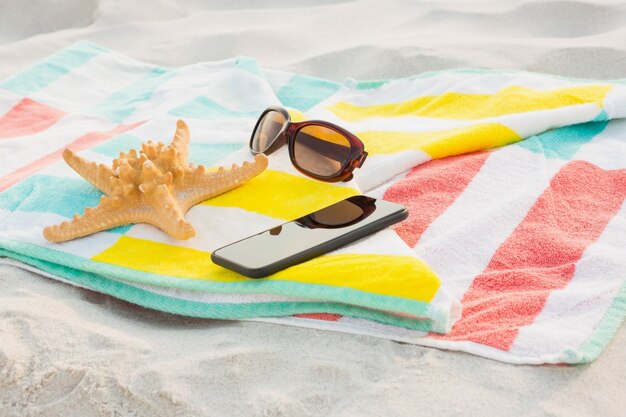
(319,149)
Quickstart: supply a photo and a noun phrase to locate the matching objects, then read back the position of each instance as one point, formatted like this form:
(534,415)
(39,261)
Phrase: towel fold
(511,252)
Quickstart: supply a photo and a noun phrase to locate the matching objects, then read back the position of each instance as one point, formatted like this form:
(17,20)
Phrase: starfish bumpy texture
(157,186)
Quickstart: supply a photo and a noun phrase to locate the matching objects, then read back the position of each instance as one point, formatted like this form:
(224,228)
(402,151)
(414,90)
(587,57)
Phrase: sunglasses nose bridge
(278,142)
(283,136)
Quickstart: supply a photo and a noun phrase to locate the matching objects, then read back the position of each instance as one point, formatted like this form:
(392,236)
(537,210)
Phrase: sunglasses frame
(288,133)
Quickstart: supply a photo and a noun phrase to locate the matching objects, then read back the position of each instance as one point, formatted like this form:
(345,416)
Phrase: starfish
(156,186)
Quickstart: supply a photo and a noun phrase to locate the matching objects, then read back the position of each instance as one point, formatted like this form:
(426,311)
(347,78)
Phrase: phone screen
(312,235)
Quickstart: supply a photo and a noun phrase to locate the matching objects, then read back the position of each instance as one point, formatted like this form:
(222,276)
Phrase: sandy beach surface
(65,351)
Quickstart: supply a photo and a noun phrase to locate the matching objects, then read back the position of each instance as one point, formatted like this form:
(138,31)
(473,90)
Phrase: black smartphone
(309,236)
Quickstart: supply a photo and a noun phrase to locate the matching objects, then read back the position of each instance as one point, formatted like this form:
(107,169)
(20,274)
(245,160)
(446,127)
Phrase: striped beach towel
(515,183)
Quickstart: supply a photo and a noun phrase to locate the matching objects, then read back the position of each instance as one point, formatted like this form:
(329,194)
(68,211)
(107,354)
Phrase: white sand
(71,352)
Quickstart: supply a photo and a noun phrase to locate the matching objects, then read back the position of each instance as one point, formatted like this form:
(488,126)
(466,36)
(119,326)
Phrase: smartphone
(309,236)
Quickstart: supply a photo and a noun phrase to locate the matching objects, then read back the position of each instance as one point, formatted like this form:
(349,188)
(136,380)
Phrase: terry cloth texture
(515,184)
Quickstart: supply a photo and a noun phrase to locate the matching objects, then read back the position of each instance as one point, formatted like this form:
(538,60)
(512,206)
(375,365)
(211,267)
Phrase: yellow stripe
(461,106)
(281,195)
(439,144)
(400,276)
(296,115)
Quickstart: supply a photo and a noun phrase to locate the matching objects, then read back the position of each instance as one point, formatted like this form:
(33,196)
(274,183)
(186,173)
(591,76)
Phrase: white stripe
(459,244)
(233,88)
(406,123)
(571,314)
(534,122)
(61,169)
(379,169)
(524,123)
(278,79)
(215,131)
(19,152)
(615,101)
(104,75)
(27,227)
(162,128)
(449,82)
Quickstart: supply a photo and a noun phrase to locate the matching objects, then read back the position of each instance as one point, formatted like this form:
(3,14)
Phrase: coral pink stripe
(541,254)
(429,189)
(320,316)
(83,142)
(27,118)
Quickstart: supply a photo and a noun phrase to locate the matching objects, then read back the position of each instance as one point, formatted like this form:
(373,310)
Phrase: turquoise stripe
(222,311)
(210,154)
(602,117)
(199,153)
(603,333)
(371,85)
(303,92)
(122,103)
(52,68)
(204,108)
(117,144)
(564,142)
(47,194)
(341,300)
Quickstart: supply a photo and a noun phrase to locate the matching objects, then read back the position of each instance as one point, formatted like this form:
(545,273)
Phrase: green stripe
(563,143)
(122,103)
(199,153)
(48,194)
(302,92)
(371,85)
(204,108)
(603,333)
(223,311)
(52,68)
(120,143)
(347,299)
(210,154)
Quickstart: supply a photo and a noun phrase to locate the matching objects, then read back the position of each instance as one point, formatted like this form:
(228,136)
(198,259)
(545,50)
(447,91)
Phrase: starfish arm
(97,174)
(106,215)
(180,142)
(168,215)
(200,185)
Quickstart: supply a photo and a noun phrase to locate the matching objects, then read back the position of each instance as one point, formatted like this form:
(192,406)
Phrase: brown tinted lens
(267,130)
(321,150)
(337,214)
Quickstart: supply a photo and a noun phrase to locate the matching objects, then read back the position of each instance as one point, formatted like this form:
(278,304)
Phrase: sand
(72,352)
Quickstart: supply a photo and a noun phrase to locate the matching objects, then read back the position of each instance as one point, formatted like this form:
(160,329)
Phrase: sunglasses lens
(321,150)
(267,130)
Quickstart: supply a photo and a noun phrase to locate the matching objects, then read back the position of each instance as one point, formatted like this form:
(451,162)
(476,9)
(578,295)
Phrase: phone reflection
(342,214)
